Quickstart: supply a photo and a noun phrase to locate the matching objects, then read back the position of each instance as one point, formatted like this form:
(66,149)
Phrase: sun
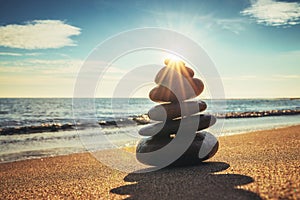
(174,61)
(173,57)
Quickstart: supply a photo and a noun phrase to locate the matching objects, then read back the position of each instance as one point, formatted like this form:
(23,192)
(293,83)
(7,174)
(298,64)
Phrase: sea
(45,127)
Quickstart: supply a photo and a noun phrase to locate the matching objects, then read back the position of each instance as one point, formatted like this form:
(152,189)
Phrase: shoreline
(280,126)
(79,148)
(261,164)
(133,120)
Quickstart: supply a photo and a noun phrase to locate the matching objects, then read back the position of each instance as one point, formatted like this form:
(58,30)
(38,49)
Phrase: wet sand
(262,164)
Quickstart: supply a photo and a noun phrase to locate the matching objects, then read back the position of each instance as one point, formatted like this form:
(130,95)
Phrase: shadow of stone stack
(176,111)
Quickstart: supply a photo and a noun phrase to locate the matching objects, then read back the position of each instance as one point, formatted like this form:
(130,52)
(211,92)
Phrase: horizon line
(230,98)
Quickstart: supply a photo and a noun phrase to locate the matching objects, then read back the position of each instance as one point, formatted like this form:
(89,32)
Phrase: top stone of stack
(175,83)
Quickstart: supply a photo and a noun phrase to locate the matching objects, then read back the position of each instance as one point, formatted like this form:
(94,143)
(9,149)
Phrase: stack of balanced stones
(178,110)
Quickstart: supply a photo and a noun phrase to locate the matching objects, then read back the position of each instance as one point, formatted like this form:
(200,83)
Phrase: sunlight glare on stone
(176,73)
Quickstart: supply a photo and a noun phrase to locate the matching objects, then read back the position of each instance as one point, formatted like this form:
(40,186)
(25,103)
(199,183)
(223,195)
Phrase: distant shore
(261,164)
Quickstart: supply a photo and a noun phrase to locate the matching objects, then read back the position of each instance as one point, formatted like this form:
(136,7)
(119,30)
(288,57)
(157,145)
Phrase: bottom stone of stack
(204,146)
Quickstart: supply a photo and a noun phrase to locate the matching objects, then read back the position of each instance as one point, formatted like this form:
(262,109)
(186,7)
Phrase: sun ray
(176,65)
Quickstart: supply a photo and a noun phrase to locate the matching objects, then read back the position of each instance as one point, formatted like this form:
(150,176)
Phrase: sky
(254,44)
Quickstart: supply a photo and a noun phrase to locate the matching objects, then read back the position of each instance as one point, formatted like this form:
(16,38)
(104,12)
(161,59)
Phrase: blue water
(20,112)
(25,112)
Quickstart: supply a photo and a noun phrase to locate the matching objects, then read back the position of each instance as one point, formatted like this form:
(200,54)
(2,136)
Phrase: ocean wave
(36,129)
(130,121)
(38,154)
(257,113)
(57,127)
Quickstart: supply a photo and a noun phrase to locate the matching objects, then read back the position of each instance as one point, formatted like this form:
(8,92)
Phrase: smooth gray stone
(163,112)
(172,126)
(204,146)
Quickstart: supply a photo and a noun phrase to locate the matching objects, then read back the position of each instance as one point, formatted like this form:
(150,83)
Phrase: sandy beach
(262,164)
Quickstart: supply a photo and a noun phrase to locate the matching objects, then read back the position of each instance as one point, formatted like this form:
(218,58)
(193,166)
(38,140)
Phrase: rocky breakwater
(177,114)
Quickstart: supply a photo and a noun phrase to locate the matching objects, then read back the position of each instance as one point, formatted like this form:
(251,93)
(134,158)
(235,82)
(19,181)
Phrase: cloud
(39,66)
(57,66)
(235,25)
(38,34)
(19,54)
(287,76)
(32,54)
(10,54)
(241,77)
(274,13)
